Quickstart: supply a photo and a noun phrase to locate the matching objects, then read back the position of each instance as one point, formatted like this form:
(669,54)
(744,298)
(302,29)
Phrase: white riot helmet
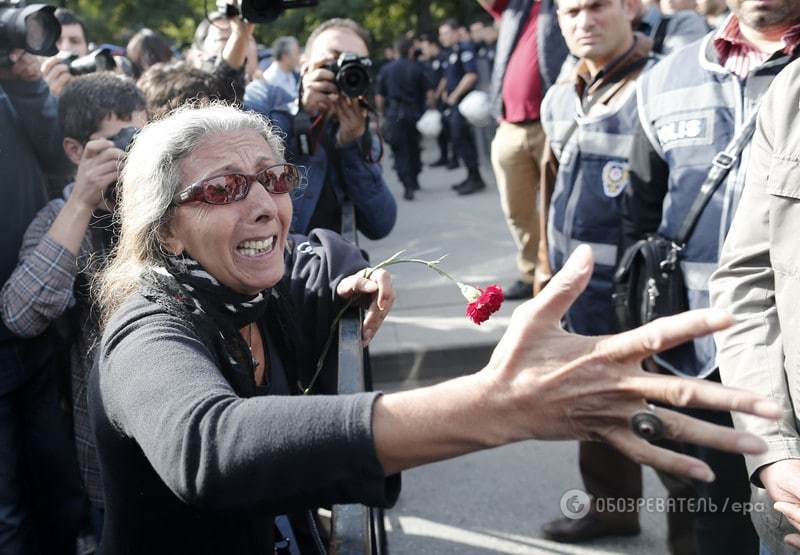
(430,124)
(475,109)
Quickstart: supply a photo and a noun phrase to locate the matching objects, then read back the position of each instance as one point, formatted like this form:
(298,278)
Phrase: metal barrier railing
(355,529)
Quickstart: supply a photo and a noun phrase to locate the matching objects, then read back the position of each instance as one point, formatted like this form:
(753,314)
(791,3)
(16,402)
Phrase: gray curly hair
(150,178)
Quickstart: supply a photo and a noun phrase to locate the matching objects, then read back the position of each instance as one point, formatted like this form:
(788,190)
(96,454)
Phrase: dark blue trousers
(463,141)
(405,147)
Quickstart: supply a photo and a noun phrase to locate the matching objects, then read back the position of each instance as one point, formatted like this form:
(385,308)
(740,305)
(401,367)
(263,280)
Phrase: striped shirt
(739,56)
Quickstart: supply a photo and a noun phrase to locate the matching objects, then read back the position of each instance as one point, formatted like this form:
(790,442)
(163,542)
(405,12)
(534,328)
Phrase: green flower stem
(394,259)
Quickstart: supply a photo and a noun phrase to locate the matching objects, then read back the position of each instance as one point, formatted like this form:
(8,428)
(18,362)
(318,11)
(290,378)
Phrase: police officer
(589,123)
(433,58)
(401,96)
(725,75)
(479,33)
(460,77)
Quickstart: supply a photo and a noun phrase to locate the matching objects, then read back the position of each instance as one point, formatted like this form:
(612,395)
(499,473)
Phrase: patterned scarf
(185,288)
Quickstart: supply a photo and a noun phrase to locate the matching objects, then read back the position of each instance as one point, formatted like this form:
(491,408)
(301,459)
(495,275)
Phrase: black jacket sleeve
(642,204)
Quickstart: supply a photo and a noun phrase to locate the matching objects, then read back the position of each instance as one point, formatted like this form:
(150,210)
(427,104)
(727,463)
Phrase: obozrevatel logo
(575,504)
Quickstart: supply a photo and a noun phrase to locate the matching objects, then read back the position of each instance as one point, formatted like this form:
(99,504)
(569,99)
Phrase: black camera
(97,60)
(122,140)
(261,11)
(351,73)
(33,28)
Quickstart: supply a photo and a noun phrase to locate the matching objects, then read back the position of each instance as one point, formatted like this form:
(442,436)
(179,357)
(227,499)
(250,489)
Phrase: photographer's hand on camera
(25,67)
(56,74)
(321,96)
(352,120)
(320,92)
(99,168)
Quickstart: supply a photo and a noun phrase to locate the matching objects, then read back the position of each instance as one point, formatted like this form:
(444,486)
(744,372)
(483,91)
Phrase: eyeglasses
(277,179)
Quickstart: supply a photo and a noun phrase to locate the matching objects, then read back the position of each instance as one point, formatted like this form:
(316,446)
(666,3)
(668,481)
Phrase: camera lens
(39,32)
(353,80)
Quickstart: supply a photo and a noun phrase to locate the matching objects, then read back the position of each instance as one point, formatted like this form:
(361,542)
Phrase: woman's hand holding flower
(379,287)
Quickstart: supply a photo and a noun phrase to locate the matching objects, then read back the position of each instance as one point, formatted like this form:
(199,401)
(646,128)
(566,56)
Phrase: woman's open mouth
(256,247)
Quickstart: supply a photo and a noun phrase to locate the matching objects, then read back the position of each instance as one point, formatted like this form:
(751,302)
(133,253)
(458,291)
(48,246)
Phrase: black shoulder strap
(720,166)
(660,35)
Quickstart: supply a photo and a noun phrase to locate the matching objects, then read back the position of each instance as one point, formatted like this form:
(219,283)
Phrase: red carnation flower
(483,302)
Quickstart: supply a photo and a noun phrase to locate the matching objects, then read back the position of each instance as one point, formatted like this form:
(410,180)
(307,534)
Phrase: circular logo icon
(575,504)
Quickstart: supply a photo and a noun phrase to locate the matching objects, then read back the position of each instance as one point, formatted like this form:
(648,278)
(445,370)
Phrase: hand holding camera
(338,85)
(98,169)
(56,74)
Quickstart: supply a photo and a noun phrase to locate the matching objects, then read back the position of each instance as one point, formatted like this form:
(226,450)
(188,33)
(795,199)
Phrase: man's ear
(73,149)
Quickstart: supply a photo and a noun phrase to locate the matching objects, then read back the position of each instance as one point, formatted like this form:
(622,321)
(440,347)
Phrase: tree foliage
(116,20)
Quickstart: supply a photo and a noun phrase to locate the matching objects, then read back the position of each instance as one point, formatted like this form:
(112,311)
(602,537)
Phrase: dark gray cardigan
(190,467)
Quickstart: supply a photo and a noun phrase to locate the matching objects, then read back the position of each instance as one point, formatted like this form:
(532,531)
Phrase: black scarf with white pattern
(185,288)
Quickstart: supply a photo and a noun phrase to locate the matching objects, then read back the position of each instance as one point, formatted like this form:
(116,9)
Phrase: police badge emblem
(615,178)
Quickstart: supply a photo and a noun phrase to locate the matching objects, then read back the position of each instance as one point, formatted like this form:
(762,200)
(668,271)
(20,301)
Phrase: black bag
(648,283)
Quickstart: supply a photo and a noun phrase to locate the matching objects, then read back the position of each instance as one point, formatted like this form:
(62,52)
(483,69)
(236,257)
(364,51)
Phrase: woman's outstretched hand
(589,387)
(544,383)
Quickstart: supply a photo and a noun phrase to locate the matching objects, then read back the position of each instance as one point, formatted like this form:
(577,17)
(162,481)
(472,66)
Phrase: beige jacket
(758,281)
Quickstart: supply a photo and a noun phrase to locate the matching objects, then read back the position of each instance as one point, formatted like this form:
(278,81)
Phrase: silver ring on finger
(647,425)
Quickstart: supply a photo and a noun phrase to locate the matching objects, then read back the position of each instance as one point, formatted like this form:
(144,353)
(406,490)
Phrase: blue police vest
(586,203)
(690,108)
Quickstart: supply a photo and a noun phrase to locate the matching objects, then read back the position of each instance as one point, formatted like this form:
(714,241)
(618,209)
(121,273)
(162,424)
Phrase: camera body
(33,28)
(122,140)
(97,60)
(352,74)
(261,11)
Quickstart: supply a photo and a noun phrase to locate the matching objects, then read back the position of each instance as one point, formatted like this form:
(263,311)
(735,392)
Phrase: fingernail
(768,409)
(751,444)
(702,473)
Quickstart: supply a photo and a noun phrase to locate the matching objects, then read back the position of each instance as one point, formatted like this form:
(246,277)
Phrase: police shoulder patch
(453,58)
(615,178)
(467,56)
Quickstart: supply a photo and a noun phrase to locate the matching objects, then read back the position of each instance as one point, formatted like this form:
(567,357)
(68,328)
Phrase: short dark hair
(68,17)
(404,47)
(339,23)
(452,23)
(147,47)
(87,100)
(168,86)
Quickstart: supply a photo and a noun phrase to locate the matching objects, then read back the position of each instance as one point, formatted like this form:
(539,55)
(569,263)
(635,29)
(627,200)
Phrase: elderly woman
(215,315)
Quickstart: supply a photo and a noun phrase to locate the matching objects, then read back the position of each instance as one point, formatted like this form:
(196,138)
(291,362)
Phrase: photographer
(342,158)
(69,238)
(34,438)
(225,47)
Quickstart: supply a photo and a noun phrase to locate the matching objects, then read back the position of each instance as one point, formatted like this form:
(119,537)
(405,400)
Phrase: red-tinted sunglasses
(225,189)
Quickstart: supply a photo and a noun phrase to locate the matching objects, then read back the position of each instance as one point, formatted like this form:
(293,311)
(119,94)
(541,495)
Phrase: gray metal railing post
(352,531)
